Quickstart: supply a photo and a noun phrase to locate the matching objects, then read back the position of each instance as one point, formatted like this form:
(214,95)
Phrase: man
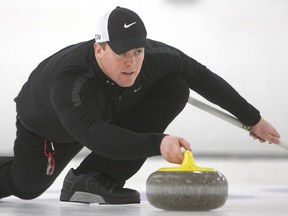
(114,96)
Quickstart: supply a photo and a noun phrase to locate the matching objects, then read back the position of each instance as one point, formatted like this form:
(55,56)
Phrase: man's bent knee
(176,89)
(27,195)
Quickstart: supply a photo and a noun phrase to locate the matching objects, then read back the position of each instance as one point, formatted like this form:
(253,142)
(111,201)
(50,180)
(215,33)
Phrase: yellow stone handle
(188,165)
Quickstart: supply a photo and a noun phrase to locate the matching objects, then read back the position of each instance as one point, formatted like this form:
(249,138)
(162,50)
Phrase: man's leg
(5,164)
(25,176)
(158,109)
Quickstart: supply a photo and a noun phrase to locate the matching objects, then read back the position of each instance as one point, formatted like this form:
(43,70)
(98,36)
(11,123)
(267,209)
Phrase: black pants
(25,177)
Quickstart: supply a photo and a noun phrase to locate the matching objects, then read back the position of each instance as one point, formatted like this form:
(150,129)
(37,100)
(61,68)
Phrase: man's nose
(131,60)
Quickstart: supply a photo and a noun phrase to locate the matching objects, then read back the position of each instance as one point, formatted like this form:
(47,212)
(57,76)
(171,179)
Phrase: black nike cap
(122,29)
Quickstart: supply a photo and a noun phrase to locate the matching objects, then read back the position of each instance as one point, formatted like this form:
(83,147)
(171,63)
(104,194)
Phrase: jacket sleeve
(76,107)
(211,86)
(218,91)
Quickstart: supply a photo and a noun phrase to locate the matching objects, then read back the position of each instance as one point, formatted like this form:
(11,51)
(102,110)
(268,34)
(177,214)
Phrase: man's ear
(98,50)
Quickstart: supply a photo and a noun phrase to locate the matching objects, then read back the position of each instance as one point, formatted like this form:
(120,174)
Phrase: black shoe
(93,187)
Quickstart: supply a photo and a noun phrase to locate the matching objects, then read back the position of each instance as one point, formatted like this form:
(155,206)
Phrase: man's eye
(139,51)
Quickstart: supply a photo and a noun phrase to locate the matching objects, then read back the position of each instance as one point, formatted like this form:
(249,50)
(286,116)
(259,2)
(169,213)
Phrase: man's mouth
(127,72)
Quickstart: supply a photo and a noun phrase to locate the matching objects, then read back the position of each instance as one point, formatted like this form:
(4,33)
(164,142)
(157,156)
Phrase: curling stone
(187,188)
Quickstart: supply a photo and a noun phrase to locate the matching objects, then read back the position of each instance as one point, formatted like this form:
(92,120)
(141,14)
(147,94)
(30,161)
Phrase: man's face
(122,69)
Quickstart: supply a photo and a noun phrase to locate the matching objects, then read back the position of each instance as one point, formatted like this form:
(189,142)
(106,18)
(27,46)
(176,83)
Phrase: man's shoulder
(154,44)
(77,49)
(161,48)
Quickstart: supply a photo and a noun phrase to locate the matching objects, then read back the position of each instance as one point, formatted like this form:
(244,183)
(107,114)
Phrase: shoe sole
(84,197)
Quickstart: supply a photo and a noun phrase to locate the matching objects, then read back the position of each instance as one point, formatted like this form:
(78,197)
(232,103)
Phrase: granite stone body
(187,191)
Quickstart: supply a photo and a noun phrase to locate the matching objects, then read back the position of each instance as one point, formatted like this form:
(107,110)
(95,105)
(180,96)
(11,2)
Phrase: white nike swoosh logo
(136,90)
(128,25)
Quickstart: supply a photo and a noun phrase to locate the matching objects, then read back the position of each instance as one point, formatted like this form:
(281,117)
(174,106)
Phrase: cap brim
(123,45)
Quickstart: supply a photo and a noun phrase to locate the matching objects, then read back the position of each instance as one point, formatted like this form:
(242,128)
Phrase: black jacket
(68,98)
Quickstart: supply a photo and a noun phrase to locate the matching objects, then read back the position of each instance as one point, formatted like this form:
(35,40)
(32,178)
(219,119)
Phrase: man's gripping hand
(170,148)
